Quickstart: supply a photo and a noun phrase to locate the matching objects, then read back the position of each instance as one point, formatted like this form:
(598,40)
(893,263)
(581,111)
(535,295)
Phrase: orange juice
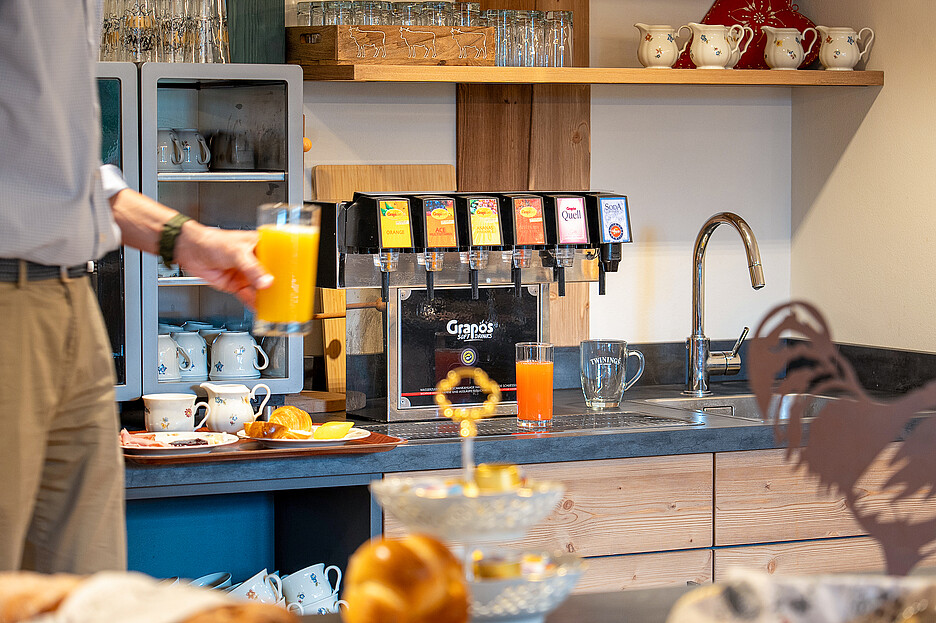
(534,390)
(290,254)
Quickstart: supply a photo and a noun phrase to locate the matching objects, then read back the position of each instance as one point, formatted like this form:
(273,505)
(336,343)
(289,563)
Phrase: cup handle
(640,370)
(867,43)
(277,584)
(688,41)
(337,583)
(749,42)
(203,149)
(176,157)
(735,45)
(207,413)
(295,607)
(339,603)
(263,355)
(814,40)
(188,360)
(253,394)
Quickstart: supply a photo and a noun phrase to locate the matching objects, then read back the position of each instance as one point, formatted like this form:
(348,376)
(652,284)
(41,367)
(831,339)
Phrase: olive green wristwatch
(167,237)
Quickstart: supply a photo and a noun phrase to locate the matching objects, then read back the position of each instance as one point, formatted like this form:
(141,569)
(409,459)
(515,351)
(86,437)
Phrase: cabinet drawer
(619,573)
(853,554)
(620,506)
(760,497)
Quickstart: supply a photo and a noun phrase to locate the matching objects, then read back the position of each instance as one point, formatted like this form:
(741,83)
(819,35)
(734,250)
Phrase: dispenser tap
(480,217)
(701,361)
(609,228)
(434,223)
(525,228)
(566,230)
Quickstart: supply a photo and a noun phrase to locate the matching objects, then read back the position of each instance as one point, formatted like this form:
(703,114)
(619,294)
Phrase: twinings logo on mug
(604,361)
(472,331)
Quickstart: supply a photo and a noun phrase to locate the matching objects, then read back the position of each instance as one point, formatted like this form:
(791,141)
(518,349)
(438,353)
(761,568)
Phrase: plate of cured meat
(169,443)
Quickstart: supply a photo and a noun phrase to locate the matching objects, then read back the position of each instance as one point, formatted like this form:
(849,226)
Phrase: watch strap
(168,236)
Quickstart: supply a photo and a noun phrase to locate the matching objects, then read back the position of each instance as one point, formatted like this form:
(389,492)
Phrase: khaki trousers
(61,473)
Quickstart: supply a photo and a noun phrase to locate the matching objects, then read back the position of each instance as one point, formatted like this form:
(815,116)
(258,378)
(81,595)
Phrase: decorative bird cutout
(847,435)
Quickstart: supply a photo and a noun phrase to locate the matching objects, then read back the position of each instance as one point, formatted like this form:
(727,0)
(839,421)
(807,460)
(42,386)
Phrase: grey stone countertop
(574,437)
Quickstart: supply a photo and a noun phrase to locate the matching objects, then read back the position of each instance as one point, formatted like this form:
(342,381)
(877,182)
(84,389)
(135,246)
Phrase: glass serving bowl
(530,596)
(451,511)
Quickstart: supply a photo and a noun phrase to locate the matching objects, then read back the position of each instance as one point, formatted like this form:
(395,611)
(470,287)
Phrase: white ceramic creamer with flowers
(784,47)
(841,47)
(657,48)
(230,405)
(712,46)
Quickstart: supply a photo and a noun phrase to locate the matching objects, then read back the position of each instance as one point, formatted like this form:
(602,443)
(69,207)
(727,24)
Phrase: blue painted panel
(193,536)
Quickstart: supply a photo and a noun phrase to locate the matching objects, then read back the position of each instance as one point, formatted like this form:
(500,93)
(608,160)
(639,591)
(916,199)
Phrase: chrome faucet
(702,360)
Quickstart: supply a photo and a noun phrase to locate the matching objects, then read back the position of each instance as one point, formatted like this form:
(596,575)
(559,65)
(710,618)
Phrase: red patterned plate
(755,13)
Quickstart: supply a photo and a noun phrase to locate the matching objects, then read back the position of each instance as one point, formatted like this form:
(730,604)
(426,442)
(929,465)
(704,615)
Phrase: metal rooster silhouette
(848,434)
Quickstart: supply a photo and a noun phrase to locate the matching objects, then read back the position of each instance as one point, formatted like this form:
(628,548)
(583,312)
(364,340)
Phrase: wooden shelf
(590,75)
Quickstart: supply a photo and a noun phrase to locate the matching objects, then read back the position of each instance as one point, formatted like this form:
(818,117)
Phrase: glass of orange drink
(534,384)
(288,249)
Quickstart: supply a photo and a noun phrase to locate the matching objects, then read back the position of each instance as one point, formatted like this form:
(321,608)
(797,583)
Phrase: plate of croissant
(291,427)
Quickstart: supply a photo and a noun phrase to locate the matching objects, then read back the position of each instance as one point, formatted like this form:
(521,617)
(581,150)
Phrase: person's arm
(223,258)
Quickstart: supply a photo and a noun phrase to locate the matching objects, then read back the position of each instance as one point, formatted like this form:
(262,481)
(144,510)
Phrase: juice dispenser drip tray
(507,426)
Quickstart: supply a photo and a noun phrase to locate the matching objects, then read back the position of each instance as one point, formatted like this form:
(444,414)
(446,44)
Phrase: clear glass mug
(534,384)
(288,249)
(604,371)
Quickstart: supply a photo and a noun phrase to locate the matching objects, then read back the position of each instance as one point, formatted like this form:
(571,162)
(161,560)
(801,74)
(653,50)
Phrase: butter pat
(332,430)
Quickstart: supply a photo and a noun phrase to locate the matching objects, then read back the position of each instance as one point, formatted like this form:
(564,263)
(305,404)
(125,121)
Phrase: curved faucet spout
(702,361)
(698,262)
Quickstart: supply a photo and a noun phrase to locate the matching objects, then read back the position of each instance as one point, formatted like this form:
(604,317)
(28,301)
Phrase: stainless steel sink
(744,406)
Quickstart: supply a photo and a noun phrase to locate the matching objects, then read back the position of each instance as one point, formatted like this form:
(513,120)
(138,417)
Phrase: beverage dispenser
(480,222)
(435,233)
(525,230)
(380,226)
(609,228)
(566,231)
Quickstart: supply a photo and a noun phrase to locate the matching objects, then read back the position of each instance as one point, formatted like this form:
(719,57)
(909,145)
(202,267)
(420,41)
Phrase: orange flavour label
(395,230)
(528,216)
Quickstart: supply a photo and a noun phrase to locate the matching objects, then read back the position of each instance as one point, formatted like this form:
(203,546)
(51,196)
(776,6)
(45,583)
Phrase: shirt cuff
(112,180)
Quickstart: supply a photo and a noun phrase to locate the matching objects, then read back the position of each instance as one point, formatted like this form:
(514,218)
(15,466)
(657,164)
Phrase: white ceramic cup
(310,584)
(263,587)
(172,412)
(326,605)
(197,350)
(168,150)
(220,580)
(234,356)
(195,152)
(171,359)
(196,325)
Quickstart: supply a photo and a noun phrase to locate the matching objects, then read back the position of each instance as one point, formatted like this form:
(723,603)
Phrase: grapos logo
(473,331)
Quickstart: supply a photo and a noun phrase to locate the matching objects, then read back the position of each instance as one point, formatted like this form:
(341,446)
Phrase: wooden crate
(390,45)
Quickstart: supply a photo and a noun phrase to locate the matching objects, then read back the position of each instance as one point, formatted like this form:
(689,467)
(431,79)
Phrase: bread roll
(24,594)
(411,580)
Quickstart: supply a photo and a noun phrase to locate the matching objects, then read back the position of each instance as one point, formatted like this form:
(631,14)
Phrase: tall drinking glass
(534,384)
(288,250)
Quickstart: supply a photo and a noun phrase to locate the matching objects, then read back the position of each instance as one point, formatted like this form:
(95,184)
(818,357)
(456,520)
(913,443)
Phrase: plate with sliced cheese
(276,435)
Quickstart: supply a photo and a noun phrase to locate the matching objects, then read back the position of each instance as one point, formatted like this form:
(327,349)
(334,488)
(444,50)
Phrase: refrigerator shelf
(222,176)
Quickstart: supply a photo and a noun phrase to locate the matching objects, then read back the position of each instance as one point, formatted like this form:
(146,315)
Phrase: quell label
(570,215)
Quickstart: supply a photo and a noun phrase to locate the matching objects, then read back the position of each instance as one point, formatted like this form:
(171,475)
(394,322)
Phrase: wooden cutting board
(339,182)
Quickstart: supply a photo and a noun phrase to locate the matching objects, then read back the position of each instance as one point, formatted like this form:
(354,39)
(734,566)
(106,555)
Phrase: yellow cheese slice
(332,430)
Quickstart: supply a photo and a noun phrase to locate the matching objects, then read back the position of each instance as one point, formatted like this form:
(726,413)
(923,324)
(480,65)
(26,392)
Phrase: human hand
(223,258)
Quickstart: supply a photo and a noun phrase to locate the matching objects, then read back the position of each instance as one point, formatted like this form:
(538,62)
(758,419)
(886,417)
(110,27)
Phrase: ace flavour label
(570,216)
(395,229)
(440,223)
(485,222)
(528,220)
(615,224)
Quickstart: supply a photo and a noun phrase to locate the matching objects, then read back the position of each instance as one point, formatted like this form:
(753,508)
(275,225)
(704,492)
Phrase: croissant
(292,417)
(124,597)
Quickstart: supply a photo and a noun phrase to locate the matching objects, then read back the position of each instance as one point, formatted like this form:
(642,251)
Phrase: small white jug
(657,48)
(840,49)
(784,47)
(230,406)
(711,46)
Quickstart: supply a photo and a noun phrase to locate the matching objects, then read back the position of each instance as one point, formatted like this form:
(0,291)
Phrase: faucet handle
(737,345)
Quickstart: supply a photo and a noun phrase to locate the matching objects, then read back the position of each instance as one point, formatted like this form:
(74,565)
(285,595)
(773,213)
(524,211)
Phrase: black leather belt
(10,271)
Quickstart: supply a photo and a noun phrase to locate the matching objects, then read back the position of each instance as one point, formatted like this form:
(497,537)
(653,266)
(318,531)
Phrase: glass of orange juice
(288,249)
(534,384)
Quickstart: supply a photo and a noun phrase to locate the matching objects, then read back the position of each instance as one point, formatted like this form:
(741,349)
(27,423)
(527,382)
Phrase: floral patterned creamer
(784,48)
(711,47)
(841,47)
(230,405)
(657,47)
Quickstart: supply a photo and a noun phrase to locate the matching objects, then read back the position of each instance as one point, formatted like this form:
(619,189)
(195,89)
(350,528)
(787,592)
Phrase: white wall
(864,224)
(682,154)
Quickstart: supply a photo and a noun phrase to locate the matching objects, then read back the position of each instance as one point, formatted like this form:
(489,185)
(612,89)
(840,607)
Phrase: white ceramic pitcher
(230,405)
(657,48)
(712,46)
(784,47)
(841,47)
